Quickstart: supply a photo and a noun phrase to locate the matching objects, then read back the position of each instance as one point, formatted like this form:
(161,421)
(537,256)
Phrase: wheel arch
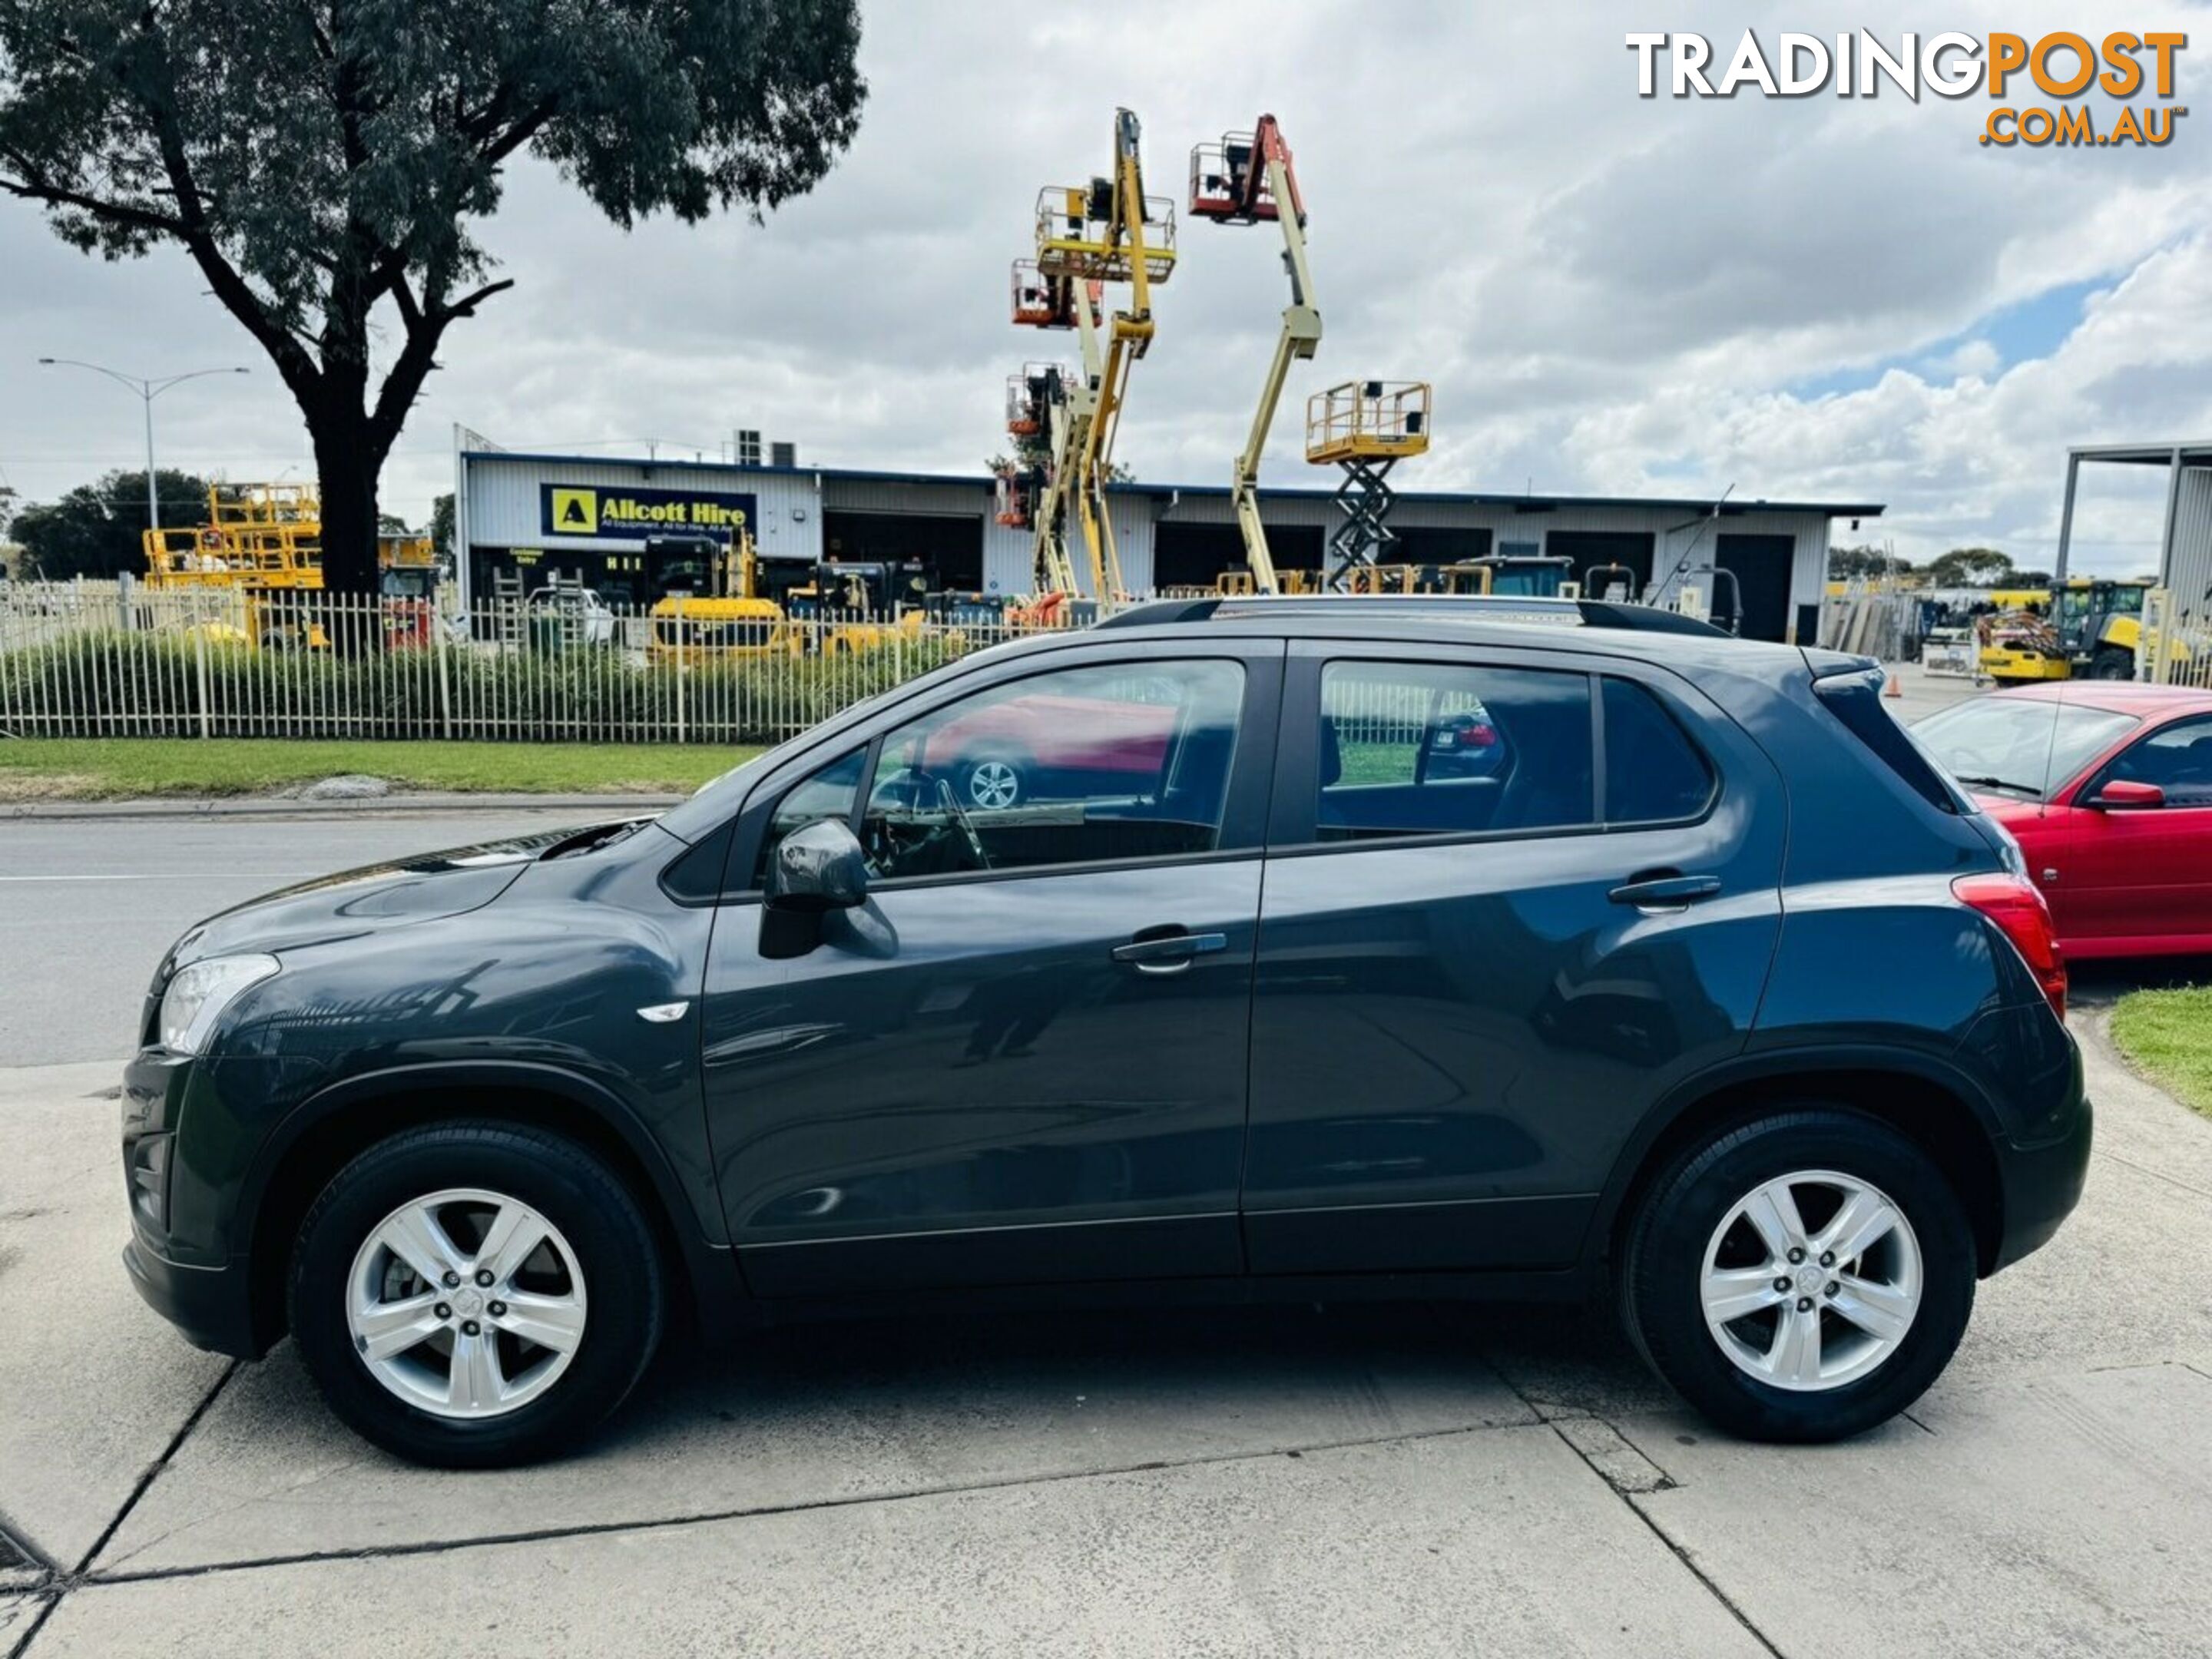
(327,1131)
(1932,1105)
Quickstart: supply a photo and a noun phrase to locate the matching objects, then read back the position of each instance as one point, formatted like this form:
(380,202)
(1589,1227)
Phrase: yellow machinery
(713,610)
(1366,427)
(270,536)
(1248,178)
(263,542)
(2093,627)
(1087,236)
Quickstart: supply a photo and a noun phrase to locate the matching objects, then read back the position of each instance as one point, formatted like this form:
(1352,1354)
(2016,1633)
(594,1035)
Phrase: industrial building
(525,517)
(2185,545)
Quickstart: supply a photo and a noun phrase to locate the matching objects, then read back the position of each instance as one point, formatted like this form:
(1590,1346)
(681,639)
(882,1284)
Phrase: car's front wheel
(1801,1277)
(993,783)
(475,1294)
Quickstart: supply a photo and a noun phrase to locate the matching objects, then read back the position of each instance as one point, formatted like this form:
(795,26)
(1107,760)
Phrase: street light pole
(148,390)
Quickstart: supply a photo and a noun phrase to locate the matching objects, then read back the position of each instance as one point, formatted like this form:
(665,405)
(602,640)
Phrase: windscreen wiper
(1999,783)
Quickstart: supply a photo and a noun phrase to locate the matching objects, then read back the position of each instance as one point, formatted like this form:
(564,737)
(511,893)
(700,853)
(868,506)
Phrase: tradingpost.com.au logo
(2010,69)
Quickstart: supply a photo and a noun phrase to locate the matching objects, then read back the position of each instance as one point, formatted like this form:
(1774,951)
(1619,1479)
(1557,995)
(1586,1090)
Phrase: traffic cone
(1895,687)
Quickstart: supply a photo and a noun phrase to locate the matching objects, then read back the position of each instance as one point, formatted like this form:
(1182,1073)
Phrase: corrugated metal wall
(504,512)
(2187,568)
(503,500)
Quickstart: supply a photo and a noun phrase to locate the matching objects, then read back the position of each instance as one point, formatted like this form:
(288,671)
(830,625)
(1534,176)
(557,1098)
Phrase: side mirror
(2126,795)
(818,868)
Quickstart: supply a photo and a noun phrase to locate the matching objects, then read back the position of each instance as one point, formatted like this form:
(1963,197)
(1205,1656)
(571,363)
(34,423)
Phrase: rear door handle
(1161,953)
(1665,892)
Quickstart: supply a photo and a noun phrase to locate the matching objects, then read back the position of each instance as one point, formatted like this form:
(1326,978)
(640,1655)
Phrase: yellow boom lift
(1106,232)
(1248,179)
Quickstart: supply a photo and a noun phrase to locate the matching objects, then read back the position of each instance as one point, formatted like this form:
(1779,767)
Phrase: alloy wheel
(466,1304)
(1811,1280)
(993,784)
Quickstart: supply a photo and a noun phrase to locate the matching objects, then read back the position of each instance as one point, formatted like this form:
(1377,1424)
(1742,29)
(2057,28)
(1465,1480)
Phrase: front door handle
(1665,892)
(1157,950)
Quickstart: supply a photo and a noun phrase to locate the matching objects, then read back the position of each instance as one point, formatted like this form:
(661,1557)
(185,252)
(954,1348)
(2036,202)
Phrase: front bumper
(212,1306)
(2041,1187)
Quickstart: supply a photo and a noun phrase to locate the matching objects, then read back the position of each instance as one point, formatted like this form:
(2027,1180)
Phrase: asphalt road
(87,906)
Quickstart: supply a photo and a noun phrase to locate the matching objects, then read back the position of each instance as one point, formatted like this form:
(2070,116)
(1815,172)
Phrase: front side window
(2177,758)
(1424,749)
(1086,765)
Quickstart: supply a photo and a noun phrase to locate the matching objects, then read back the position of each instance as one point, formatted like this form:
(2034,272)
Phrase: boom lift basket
(1075,235)
(1229,182)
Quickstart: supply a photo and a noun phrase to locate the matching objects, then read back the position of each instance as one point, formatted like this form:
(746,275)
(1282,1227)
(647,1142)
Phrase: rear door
(1469,987)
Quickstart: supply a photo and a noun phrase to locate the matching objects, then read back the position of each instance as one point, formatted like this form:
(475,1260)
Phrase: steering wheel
(952,799)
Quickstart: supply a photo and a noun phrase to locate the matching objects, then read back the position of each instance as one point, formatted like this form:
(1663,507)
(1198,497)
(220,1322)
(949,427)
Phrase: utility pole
(148,390)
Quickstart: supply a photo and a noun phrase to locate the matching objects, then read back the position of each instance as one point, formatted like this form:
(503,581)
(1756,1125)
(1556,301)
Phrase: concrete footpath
(1304,1482)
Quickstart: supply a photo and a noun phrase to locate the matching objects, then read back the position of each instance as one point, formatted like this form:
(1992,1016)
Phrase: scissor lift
(1248,179)
(1366,427)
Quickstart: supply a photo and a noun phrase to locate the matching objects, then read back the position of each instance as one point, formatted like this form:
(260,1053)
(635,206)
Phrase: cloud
(1612,293)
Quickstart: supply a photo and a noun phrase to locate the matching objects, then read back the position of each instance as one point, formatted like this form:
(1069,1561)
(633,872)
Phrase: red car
(1003,755)
(2108,788)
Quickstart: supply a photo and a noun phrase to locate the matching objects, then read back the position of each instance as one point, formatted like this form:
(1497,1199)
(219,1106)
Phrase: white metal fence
(2176,643)
(87,660)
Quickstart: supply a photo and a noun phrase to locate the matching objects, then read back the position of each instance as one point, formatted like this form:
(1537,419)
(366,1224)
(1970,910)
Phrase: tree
(1969,566)
(1845,563)
(323,162)
(441,526)
(95,529)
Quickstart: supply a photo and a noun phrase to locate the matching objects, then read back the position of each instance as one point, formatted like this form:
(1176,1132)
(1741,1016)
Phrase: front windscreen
(2020,745)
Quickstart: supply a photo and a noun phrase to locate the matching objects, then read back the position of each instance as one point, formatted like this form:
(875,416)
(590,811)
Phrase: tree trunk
(347,465)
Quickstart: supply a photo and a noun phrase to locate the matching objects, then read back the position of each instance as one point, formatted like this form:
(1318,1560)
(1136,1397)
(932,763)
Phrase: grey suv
(1272,948)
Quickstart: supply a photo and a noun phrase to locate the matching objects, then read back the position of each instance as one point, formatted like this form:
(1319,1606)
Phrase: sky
(1818,298)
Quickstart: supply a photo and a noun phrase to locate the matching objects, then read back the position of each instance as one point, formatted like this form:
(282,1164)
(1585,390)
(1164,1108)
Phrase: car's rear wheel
(475,1294)
(1801,1277)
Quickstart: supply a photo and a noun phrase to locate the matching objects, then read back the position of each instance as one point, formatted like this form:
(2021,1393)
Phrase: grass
(110,768)
(2168,1033)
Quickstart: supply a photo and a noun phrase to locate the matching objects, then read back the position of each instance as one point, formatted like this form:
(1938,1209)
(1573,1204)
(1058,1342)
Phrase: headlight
(198,994)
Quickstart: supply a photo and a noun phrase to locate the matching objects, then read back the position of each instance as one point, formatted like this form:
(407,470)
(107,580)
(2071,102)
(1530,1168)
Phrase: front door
(1025,1058)
(1469,988)
(2142,877)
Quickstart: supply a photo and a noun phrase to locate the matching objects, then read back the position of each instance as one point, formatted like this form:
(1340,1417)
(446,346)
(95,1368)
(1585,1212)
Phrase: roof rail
(1463,607)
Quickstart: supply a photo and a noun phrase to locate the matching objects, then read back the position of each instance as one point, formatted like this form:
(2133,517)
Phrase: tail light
(2013,904)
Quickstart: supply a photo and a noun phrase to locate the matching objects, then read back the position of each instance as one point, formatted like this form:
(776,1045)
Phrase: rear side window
(1652,773)
(1426,749)
(1856,700)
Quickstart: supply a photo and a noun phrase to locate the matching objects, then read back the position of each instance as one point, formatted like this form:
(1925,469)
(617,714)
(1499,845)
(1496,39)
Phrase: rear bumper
(2041,1188)
(209,1305)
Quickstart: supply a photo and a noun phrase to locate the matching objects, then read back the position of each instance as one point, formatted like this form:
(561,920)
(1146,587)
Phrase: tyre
(1802,1277)
(991,783)
(2112,662)
(471,1295)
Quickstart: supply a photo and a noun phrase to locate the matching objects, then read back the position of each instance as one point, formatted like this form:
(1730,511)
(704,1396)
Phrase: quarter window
(1417,748)
(1653,774)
